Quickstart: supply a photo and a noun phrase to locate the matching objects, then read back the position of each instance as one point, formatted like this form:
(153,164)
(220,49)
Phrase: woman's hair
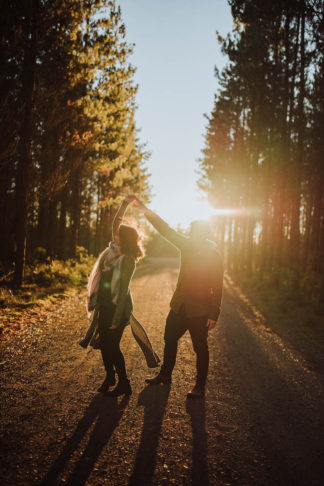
(130,242)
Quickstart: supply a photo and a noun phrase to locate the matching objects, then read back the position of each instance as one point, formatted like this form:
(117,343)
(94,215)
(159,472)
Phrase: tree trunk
(295,221)
(62,224)
(76,199)
(25,158)
(285,152)
(97,229)
(51,235)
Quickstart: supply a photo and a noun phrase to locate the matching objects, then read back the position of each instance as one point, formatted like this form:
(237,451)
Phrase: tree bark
(76,200)
(295,220)
(62,224)
(25,158)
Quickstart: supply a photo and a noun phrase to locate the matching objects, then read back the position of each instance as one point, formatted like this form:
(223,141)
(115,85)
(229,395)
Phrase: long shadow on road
(283,404)
(154,400)
(107,414)
(199,472)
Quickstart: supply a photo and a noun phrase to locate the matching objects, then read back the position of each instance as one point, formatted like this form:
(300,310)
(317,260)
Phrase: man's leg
(174,329)
(199,334)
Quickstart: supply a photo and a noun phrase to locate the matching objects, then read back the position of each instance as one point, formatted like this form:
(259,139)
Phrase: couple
(195,305)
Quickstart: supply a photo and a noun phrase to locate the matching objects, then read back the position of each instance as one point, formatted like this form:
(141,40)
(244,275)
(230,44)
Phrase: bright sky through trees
(175,53)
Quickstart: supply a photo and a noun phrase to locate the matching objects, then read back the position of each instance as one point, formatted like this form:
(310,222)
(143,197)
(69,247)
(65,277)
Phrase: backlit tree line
(263,158)
(69,146)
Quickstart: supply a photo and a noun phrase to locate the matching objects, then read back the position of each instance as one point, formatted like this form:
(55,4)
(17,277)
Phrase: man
(195,305)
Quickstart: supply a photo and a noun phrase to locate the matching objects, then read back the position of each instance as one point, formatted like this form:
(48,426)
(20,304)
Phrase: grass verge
(44,282)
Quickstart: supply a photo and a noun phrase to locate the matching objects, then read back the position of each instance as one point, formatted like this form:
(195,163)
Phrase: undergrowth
(45,280)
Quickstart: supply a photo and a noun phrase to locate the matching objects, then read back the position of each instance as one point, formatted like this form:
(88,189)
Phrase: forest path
(262,422)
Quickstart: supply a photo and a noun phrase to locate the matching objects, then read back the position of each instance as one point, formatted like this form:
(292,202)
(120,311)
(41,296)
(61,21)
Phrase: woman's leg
(110,373)
(117,357)
(108,363)
(103,322)
(123,387)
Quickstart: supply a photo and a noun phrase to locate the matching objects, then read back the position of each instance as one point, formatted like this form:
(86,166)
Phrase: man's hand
(211,324)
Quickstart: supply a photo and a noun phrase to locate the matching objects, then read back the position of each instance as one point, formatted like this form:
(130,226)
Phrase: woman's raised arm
(118,219)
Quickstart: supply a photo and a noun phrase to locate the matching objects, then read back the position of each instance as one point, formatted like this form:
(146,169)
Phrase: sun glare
(180,211)
(235,211)
(225,212)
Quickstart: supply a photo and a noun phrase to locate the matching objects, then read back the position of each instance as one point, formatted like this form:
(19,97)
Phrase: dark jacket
(200,283)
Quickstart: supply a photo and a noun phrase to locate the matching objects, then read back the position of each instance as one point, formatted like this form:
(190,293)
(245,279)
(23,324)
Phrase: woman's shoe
(84,343)
(123,388)
(110,380)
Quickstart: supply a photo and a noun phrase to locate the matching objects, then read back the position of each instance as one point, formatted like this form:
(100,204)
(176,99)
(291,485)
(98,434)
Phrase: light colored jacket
(123,270)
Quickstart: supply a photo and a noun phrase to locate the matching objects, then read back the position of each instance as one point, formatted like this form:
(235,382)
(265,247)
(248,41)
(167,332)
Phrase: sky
(175,54)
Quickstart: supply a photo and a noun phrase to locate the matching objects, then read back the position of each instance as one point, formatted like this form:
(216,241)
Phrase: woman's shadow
(199,471)
(154,400)
(107,413)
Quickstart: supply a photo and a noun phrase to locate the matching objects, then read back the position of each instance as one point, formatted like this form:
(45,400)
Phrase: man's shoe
(110,380)
(198,391)
(160,378)
(123,388)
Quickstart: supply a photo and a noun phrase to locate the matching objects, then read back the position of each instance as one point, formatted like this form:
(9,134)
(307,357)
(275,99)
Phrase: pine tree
(74,148)
(262,138)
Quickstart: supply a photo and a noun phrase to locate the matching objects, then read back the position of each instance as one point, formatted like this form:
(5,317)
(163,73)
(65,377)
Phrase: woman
(112,299)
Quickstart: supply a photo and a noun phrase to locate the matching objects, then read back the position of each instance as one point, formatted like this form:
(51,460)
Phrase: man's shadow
(154,400)
(199,472)
(107,414)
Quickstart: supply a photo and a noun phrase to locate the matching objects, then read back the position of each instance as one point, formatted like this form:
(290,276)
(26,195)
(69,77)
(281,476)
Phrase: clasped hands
(133,199)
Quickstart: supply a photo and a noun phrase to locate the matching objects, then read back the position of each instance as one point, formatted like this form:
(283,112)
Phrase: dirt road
(262,422)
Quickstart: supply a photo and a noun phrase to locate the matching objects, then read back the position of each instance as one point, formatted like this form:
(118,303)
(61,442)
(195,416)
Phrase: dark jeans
(176,325)
(109,343)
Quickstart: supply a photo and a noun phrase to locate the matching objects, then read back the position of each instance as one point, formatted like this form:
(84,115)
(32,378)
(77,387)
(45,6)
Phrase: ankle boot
(123,388)
(159,378)
(198,391)
(110,380)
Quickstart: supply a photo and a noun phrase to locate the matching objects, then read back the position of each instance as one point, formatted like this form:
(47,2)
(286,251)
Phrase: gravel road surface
(261,423)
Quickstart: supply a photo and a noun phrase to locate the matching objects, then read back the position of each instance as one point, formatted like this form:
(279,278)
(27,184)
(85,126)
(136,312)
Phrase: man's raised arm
(177,239)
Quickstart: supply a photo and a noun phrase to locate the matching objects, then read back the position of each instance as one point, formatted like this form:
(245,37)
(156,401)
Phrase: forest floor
(261,423)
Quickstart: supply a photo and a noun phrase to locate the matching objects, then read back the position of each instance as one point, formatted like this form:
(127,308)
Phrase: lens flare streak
(236,212)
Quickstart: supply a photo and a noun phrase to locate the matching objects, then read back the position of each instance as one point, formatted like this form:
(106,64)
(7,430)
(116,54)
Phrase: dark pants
(109,343)
(176,325)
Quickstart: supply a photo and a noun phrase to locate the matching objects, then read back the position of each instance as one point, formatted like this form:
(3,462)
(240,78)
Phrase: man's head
(200,230)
